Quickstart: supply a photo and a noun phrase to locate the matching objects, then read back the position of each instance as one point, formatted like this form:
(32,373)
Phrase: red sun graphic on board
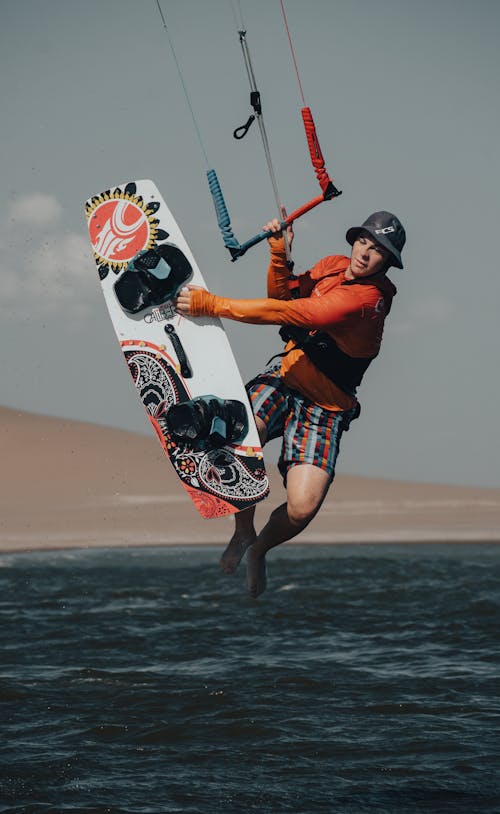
(119,229)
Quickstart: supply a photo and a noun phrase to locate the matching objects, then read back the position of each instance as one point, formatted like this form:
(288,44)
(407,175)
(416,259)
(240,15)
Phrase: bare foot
(256,573)
(235,551)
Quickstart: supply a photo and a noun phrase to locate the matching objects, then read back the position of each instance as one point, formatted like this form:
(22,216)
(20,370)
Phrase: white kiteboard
(182,368)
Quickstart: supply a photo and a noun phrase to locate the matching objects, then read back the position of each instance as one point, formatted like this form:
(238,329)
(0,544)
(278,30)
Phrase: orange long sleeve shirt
(352,312)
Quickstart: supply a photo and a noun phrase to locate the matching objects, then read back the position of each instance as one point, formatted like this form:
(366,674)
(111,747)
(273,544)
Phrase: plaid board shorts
(311,434)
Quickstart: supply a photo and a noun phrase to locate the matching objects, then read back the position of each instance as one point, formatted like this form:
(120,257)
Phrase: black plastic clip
(331,191)
(241,132)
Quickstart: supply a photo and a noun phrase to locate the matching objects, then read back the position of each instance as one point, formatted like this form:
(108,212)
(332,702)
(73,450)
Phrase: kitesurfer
(333,318)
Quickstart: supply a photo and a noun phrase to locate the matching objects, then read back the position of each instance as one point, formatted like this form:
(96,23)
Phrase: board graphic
(143,260)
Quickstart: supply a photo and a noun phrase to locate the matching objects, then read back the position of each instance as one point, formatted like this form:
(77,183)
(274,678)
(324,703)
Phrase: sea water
(143,681)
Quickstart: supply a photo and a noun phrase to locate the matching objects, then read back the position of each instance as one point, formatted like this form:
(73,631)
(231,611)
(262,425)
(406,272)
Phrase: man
(333,318)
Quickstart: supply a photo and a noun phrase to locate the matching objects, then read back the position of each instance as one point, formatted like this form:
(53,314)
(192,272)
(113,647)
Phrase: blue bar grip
(230,242)
(252,241)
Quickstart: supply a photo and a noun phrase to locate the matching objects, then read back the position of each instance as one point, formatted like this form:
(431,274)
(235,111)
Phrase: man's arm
(278,272)
(312,312)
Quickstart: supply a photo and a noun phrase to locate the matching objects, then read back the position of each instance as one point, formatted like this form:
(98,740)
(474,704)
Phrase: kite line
(328,189)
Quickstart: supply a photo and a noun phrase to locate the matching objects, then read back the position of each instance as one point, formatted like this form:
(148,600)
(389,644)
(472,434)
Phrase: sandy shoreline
(67,484)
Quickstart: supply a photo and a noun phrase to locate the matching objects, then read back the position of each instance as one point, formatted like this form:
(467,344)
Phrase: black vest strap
(343,370)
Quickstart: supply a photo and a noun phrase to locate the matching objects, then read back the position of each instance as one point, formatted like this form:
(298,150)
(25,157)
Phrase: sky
(405,100)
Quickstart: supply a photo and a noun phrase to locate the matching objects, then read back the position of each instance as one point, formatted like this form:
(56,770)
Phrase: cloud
(36,209)
(43,265)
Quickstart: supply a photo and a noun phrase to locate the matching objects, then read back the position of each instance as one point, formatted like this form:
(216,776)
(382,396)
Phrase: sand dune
(71,484)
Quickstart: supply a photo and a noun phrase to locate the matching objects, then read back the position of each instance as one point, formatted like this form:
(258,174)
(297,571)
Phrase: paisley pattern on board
(224,476)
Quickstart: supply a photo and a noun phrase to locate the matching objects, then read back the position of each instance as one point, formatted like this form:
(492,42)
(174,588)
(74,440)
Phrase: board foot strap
(208,421)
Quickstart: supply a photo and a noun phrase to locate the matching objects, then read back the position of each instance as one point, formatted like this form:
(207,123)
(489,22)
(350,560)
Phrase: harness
(343,370)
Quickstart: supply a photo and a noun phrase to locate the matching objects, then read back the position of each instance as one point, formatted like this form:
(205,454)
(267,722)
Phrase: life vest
(343,370)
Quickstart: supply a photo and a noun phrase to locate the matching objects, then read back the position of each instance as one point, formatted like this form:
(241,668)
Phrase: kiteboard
(183,369)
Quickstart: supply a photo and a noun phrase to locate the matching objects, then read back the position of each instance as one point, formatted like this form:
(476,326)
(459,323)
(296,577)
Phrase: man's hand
(183,300)
(274,229)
